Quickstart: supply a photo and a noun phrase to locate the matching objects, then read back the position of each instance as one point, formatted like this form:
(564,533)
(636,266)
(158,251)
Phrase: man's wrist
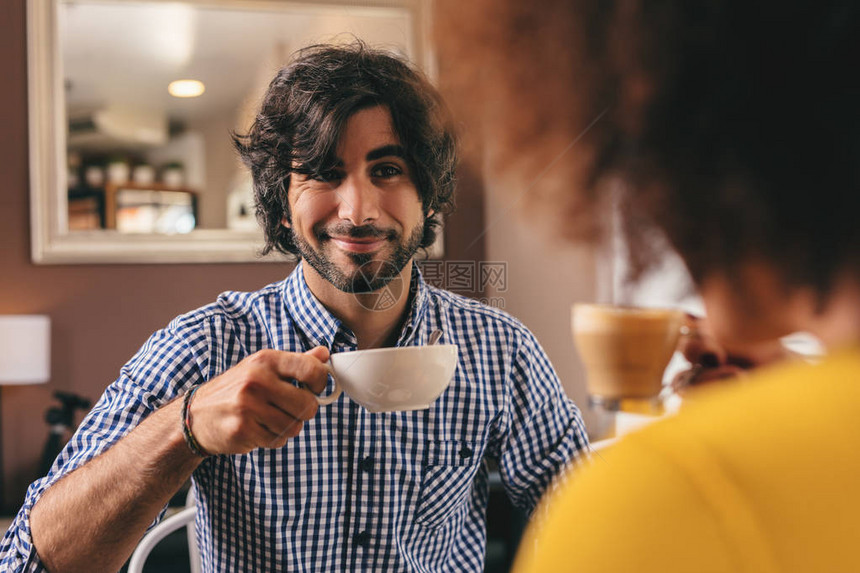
(186,421)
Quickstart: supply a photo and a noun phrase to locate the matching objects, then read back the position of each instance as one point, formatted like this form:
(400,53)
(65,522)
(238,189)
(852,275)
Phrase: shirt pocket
(447,480)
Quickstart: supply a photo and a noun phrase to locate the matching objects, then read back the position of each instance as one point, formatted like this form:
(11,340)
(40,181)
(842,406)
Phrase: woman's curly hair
(732,125)
(306,108)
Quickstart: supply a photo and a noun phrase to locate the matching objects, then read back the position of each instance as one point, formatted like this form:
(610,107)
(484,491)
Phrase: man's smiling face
(360,223)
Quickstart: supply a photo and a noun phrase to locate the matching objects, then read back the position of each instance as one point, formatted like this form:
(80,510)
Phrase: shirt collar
(321,327)
(420,302)
(309,314)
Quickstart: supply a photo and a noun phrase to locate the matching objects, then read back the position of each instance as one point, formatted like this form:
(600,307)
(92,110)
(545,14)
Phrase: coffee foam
(592,317)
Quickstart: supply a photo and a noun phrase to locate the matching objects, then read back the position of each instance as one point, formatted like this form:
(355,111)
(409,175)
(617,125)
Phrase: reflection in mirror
(132,105)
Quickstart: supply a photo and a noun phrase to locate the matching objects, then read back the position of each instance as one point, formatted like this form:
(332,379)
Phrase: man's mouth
(357,240)
(359,245)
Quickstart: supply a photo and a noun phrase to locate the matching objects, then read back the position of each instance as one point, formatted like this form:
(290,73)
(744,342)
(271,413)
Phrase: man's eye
(386,171)
(327,176)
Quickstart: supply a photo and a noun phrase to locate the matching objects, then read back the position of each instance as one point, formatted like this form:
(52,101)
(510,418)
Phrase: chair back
(183,518)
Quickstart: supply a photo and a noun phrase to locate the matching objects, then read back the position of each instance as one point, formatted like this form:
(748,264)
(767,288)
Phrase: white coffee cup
(392,379)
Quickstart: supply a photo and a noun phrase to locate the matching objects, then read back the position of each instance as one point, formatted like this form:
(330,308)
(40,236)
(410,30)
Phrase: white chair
(184,518)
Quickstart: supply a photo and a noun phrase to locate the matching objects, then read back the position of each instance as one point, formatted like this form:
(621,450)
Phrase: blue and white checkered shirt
(356,491)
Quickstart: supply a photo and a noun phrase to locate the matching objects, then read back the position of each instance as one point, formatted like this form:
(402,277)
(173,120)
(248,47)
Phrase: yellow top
(762,477)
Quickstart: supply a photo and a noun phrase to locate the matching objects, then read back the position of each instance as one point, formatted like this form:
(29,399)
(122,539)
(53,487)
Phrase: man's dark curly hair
(306,108)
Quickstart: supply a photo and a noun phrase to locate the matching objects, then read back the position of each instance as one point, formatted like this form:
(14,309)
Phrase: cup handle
(326,400)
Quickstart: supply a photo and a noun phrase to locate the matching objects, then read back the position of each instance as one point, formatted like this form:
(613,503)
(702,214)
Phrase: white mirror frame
(50,242)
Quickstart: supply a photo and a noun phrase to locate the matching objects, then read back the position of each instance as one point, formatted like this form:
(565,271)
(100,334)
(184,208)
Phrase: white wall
(545,277)
(222,164)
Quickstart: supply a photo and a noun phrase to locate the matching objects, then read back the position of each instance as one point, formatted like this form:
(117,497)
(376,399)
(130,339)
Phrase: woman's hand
(712,362)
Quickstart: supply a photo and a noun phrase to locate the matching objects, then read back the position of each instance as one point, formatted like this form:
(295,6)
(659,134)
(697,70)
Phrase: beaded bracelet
(192,442)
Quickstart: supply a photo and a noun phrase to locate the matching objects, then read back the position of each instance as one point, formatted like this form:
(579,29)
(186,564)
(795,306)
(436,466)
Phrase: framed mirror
(125,166)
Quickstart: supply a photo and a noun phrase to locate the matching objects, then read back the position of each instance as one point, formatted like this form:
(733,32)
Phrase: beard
(370,273)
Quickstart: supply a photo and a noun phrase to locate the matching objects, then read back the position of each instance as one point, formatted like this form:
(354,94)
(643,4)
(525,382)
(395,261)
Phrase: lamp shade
(25,349)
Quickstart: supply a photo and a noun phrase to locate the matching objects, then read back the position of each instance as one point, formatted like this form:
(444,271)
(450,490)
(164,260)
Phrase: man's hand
(255,404)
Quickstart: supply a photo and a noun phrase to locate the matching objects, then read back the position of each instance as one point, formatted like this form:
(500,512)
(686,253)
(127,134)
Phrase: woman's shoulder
(732,478)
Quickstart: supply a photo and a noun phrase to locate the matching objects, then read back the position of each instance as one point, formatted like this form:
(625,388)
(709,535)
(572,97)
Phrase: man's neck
(375,318)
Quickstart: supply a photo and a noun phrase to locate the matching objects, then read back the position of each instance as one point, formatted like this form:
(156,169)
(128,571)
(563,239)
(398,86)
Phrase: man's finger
(277,423)
(304,368)
(321,353)
(293,401)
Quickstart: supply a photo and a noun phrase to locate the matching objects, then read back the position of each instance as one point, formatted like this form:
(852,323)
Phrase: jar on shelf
(94,176)
(118,172)
(143,174)
(173,175)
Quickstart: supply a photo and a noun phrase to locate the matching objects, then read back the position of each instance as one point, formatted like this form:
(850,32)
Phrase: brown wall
(101,314)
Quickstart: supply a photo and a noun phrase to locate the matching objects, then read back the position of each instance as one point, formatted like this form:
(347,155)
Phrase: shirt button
(367,464)
(362,539)
(466,452)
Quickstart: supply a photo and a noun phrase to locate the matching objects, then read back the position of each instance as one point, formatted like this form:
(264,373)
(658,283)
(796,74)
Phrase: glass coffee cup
(625,351)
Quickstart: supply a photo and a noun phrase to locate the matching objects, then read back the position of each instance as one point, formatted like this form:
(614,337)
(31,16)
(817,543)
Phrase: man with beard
(352,156)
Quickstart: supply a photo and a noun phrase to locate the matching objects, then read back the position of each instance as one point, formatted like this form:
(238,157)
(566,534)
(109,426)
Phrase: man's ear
(430,213)
(285,189)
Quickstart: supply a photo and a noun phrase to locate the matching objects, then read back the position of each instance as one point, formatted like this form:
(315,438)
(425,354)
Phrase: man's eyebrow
(385,151)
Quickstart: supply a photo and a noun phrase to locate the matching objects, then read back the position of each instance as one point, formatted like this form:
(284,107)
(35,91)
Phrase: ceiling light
(186,88)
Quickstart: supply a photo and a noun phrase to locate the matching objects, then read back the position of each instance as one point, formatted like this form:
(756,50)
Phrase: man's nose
(359,201)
